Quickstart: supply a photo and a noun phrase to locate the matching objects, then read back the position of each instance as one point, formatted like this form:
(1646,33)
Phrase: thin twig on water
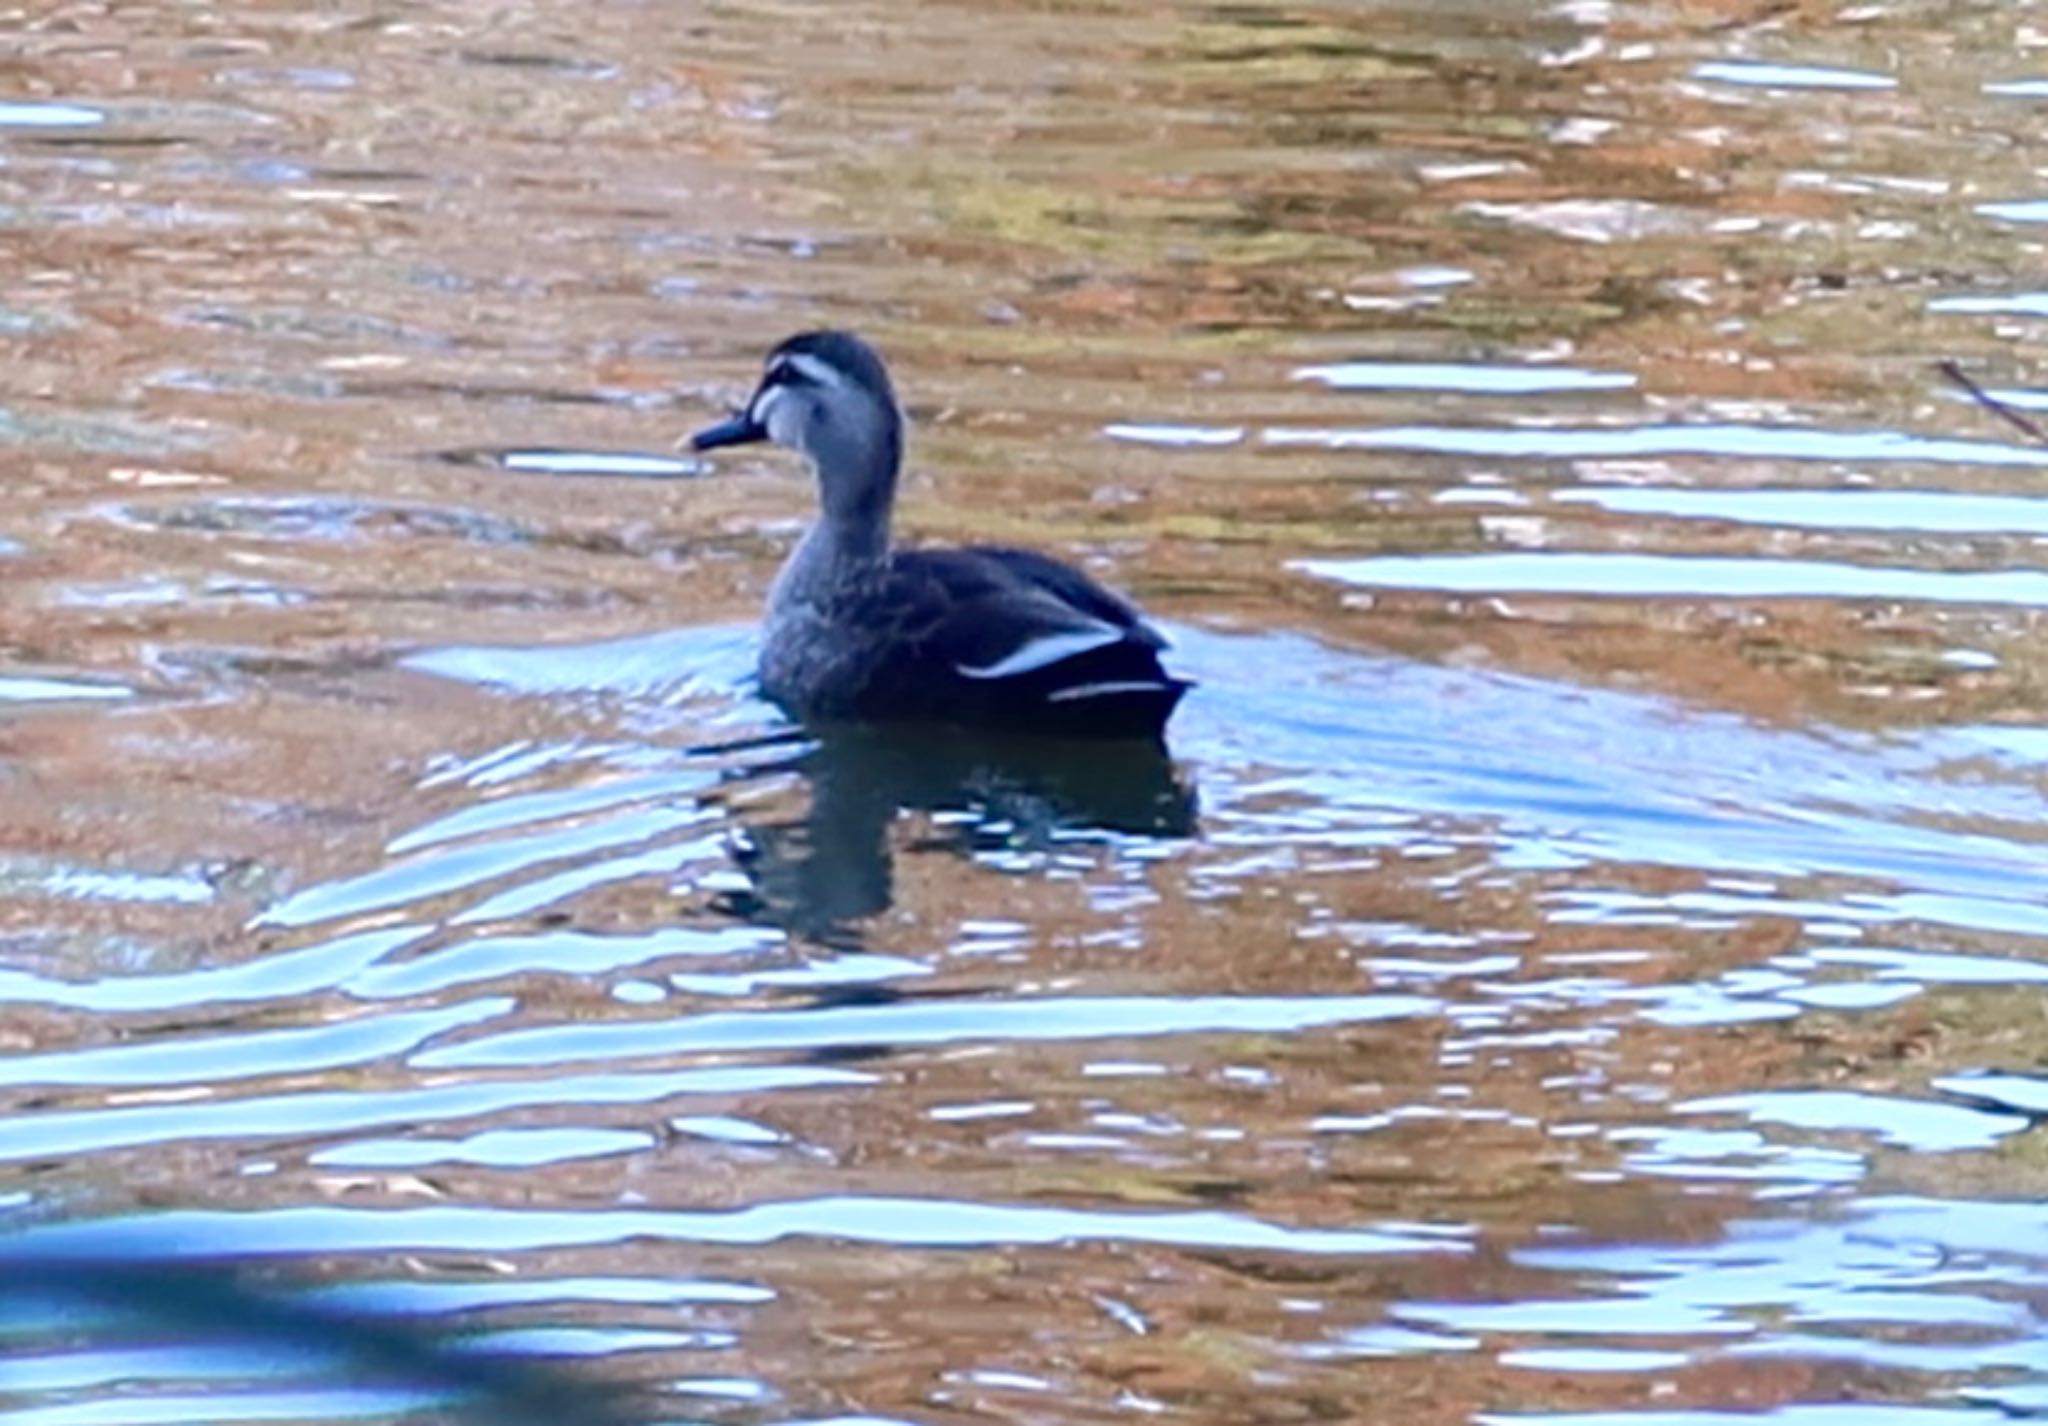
(2019,421)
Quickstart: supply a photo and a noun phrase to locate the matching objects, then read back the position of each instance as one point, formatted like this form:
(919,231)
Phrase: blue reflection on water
(1757,73)
(1462,376)
(1799,443)
(929,1222)
(24,114)
(1949,512)
(1683,576)
(937,1022)
(55,1133)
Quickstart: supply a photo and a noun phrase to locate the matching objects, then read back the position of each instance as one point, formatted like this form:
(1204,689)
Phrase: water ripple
(1756,73)
(938,1023)
(1933,511)
(1682,576)
(55,1133)
(1452,376)
(922,1222)
(1627,442)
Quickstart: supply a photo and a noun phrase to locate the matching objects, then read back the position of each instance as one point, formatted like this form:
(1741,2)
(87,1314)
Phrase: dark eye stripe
(784,372)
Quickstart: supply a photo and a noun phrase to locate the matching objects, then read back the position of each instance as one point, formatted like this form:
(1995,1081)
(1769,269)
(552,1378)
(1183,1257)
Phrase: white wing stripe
(1103,690)
(1043,651)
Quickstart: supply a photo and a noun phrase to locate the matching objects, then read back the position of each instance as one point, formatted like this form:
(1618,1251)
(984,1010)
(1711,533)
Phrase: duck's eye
(787,373)
(777,382)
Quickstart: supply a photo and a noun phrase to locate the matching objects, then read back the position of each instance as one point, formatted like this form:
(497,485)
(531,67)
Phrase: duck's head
(828,396)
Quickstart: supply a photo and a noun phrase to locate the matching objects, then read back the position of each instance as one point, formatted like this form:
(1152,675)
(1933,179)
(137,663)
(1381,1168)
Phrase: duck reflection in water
(822,872)
(136,1290)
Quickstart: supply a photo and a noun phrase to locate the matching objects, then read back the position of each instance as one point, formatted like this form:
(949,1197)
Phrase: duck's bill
(736,430)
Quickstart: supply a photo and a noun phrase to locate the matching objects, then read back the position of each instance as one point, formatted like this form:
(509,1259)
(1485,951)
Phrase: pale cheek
(762,412)
(785,423)
(795,421)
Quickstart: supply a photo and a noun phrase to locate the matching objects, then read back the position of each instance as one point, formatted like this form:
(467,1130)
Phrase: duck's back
(986,637)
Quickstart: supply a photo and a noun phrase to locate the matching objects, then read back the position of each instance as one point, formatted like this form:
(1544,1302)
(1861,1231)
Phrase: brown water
(1602,976)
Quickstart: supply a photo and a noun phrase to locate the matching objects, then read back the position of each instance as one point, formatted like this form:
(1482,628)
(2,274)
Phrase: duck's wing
(998,614)
(1074,589)
(1015,638)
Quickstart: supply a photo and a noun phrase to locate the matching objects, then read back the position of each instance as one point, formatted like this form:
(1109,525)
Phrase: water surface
(1583,960)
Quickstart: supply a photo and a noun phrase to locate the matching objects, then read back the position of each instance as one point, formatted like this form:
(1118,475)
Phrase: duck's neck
(851,533)
(830,553)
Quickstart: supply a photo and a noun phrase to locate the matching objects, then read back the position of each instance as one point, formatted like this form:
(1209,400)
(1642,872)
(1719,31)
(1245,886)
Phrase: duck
(861,631)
